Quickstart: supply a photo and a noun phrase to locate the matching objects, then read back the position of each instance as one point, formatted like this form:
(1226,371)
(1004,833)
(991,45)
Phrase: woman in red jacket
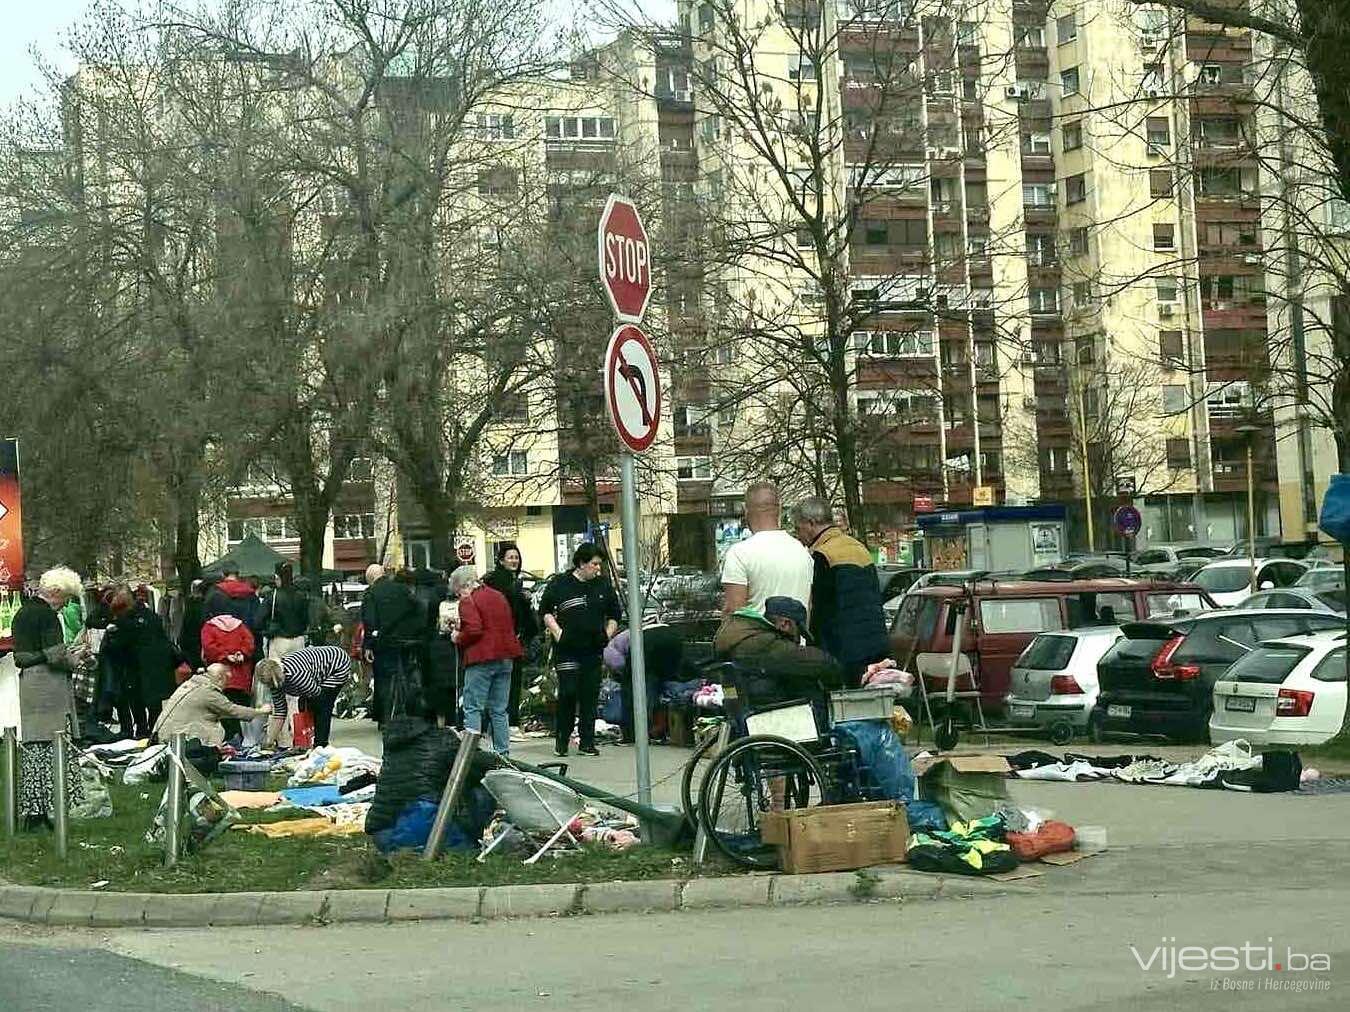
(227,640)
(487,640)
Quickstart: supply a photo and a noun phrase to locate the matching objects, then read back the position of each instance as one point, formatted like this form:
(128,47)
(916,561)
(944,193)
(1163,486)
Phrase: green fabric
(252,556)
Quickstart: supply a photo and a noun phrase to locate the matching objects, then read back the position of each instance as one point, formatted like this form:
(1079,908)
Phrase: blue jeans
(487,686)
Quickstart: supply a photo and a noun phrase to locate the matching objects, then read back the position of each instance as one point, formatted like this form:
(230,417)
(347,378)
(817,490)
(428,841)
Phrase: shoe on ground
(589,751)
(517,735)
(561,753)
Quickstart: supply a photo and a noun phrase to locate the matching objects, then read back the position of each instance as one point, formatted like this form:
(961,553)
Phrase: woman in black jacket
(506,580)
(144,660)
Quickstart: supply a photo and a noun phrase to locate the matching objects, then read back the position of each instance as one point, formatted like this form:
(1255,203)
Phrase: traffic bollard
(60,782)
(9,788)
(173,802)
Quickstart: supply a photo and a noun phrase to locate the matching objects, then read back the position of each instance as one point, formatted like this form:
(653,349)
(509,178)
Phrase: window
(1036,144)
(691,420)
(239,528)
(513,462)
(942,82)
(361,469)
(1066,28)
(1033,614)
(1332,668)
(895,343)
(1030,37)
(1166,289)
(1220,132)
(1043,300)
(693,468)
(496,126)
(876,233)
(1171,346)
(1072,135)
(1164,236)
(1211,74)
(1075,189)
(1175,398)
(724,354)
(1055,459)
(967,33)
(593,128)
(354,525)
(705,17)
(1068,80)
(1040,248)
(498,182)
(710,127)
(1158,130)
(1082,294)
(1038,194)
(1152,79)
(513,409)
(1159,182)
(1047,653)
(801,68)
(1078,241)
(909,231)
(1219,182)
(803,238)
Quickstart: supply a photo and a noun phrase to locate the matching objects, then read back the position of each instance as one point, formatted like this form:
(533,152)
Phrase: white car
(1285,692)
(1053,685)
(1229,580)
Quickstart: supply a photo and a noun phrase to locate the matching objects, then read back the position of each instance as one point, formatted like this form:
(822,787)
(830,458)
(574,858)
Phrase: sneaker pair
(592,751)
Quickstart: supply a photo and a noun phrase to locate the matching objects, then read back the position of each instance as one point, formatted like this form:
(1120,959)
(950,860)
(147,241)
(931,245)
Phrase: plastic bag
(411,830)
(1335,520)
(891,775)
(96,802)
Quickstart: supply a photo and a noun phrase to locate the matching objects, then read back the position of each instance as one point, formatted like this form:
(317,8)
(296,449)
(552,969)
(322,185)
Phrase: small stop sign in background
(625,259)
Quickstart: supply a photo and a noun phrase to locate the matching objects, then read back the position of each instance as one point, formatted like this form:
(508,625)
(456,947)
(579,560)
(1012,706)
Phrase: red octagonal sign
(625,259)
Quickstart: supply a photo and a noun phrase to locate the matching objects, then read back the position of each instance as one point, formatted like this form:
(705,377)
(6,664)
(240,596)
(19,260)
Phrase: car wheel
(1061,732)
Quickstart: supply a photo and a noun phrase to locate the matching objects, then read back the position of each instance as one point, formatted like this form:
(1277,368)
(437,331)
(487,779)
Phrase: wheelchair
(781,756)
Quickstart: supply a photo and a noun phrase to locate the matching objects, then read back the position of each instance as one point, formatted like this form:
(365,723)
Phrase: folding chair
(533,804)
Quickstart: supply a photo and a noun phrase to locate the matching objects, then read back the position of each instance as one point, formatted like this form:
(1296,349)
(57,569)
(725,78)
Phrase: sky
(41,22)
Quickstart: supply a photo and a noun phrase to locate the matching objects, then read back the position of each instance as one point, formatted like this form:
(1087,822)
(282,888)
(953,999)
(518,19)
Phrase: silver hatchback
(1053,685)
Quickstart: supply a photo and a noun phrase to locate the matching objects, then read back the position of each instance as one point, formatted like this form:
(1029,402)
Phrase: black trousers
(513,701)
(230,724)
(578,699)
(322,708)
(135,719)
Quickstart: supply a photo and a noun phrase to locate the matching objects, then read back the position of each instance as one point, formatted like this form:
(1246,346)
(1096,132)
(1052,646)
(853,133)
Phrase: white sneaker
(518,735)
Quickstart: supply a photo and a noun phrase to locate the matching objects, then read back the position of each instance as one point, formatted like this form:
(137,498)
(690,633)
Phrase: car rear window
(1100,609)
(1267,665)
(1048,653)
(1199,553)
(1332,668)
(1224,579)
(1333,599)
(1020,615)
(918,617)
(1169,604)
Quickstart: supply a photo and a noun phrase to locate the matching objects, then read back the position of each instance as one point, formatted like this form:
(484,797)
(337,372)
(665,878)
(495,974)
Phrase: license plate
(1117,711)
(1244,704)
(1023,712)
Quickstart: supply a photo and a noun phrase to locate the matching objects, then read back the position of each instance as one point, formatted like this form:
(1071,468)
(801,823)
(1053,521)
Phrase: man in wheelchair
(768,649)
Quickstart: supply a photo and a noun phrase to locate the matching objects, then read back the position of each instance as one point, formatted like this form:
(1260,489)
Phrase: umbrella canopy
(253,557)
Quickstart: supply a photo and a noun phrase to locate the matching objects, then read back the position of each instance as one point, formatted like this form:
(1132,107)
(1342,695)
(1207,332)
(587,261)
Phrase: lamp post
(1250,430)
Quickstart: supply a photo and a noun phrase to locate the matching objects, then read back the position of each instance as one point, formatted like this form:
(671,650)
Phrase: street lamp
(1250,430)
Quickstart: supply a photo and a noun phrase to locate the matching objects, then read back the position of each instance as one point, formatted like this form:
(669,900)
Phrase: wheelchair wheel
(695,771)
(753,776)
(947,735)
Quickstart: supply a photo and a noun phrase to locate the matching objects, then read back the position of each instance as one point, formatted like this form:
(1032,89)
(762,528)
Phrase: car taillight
(1293,703)
(1163,667)
(1065,685)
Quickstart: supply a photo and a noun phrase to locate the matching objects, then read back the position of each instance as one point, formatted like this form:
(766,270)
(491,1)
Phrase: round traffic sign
(464,552)
(633,387)
(1127,521)
(625,259)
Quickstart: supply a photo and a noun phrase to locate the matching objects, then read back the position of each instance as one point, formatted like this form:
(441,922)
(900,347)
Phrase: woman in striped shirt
(316,675)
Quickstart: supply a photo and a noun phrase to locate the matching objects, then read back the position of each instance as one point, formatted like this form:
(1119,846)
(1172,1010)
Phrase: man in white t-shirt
(769,563)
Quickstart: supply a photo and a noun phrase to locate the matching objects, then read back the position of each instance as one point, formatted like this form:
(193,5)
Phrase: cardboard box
(964,763)
(837,837)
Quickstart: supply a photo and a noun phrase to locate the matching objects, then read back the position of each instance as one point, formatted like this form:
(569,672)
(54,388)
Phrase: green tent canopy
(253,556)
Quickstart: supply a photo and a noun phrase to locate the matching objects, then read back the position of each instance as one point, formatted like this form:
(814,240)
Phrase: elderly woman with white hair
(487,638)
(46,697)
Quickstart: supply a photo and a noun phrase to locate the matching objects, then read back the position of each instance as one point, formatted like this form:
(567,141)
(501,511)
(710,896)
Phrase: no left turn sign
(633,387)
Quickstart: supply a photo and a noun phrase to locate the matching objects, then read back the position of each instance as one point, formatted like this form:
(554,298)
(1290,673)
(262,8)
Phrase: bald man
(769,563)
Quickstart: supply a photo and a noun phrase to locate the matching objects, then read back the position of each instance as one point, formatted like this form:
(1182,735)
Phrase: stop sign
(625,259)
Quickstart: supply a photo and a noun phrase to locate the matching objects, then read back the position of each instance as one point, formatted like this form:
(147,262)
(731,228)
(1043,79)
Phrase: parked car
(1159,677)
(1054,682)
(1285,692)
(1080,568)
(1323,578)
(1297,597)
(1229,581)
(1003,616)
(1166,558)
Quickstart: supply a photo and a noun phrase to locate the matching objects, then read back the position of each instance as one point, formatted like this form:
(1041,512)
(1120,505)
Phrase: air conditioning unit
(1167,310)
(1149,40)
(1017,91)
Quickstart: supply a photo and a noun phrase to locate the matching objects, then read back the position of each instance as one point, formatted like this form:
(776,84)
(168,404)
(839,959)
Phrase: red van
(1003,616)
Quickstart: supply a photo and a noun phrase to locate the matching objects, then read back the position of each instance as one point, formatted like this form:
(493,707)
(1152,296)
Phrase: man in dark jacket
(769,648)
(285,614)
(394,637)
(846,615)
(233,596)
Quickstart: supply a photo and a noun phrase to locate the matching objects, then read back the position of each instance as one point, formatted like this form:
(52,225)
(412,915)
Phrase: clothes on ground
(1231,765)
(250,799)
(769,564)
(846,615)
(318,826)
(966,848)
(333,766)
(416,764)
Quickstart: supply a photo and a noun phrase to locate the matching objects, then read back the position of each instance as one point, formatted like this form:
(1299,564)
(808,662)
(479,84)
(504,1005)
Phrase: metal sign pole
(637,661)
(10,786)
(60,780)
(173,803)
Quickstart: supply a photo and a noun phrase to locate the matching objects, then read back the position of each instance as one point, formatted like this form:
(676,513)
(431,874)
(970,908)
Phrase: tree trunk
(187,531)
(313,523)
(441,520)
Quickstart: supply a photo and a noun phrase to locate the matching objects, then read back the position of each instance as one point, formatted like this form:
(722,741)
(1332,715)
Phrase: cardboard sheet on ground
(1068,857)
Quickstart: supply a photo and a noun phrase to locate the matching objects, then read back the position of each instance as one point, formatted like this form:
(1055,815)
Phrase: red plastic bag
(302,730)
(1052,838)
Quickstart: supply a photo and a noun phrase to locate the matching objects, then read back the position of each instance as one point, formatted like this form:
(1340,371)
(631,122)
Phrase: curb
(81,908)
